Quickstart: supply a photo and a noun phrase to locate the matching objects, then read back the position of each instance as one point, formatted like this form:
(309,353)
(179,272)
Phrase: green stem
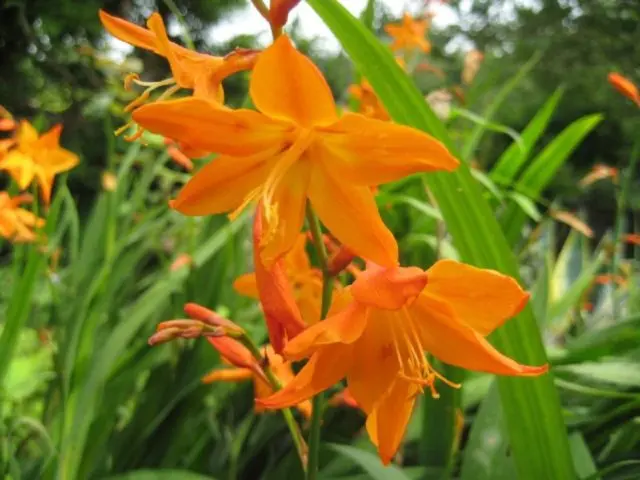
(327,290)
(186,36)
(620,221)
(296,434)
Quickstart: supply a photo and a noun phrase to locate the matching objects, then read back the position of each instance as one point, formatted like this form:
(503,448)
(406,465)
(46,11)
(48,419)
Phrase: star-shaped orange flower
(17,224)
(31,157)
(409,34)
(295,148)
(378,341)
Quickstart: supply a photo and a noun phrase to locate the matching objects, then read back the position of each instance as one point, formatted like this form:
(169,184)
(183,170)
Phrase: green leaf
(164,474)
(514,158)
(527,205)
(542,170)
(582,459)
(617,372)
(370,463)
(540,448)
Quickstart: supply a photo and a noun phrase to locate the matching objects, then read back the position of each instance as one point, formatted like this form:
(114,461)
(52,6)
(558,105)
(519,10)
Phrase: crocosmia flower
(378,342)
(17,224)
(295,148)
(625,87)
(409,34)
(29,156)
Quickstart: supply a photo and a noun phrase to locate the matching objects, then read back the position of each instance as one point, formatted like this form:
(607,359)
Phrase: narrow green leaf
(370,463)
(540,449)
(526,205)
(582,459)
(161,474)
(513,159)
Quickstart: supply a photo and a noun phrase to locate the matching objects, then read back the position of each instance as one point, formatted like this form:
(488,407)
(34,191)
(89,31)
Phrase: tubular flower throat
(190,70)
(409,34)
(295,148)
(30,157)
(17,224)
(243,366)
(378,341)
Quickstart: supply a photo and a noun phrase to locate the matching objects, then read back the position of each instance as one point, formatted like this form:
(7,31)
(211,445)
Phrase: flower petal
(206,126)
(388,288)
(222,185)
(246,285)
(286,85)
(454,342)
(128,32)
(351,214)
(374,365)
(325,368)
(367,151)
(165,48)
(227,375)
(483,299)
(388,422)
(344,327)
(276,294)
(289,202)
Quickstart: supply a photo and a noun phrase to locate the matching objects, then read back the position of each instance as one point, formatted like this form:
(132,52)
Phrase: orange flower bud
(109,182)
(182,260)
(211,318)
(625,87)
(279,11)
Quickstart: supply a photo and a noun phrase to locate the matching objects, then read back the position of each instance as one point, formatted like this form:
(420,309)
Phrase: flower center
(414,366)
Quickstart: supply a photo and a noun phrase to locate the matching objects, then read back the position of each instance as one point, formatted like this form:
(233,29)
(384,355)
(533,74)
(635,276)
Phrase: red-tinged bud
(279,12)
(237,354)
(212,318)
(164,336)
(340,260)
(183,328)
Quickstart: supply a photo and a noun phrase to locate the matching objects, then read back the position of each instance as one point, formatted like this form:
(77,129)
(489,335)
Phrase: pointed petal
(222,185)
(276,294)
(60,160)
(227,375)
(345,327)
(387,424)
(374,366)
(128,32)
(19,166)
(51,138)
(45,181)
(165,48)
(351,214)
(207,126)
(324,369)
(27,133)
(388,288)
(453,342)
(370,152)
(483,299)
(246,285)
(233,351)
(289,202)
(287,85)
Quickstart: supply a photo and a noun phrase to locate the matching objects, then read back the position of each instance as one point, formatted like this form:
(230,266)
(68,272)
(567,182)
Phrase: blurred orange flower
(472,62)
(182,260)
(599,172)
(17,224)
(409,34)
(32,157)
(378,341)
(109,182)
(625,87)
(243,366)
(296,147)
(607,278)
(7,123)
(633,238)
(573,221)
(369,104)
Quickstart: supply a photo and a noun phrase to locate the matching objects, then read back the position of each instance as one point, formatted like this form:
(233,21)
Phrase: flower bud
(279,12)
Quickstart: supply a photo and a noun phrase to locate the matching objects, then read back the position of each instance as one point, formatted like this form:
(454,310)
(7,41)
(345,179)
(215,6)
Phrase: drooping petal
(222,185)
(483,299)
(227,375)
(367,151)
(246,285)
(45,181)
(286,85)
(344,327)
(164,47)
(452,341)
(374,366)
(276,294)
(207,126)
(388,422)
(388,288)
(289,201)
(324,369)
(351,214)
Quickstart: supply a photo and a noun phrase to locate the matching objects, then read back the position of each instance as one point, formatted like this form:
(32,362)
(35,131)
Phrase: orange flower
(182,260)
(599,172)
(296,148)
(573,221)
(368,102)
(378,341)
(472,61)
(17,224)
(607,278)
(31,157)
(625,87)
(306,281)
(7,123)
(633,238)
(245,367)
(410,34)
